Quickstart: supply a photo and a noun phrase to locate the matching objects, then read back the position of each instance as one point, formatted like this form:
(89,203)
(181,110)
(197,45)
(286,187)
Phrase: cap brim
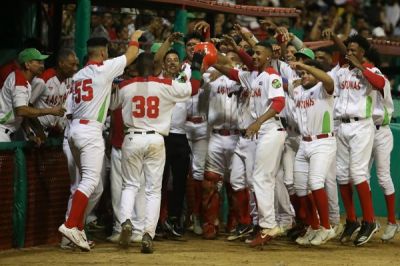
(42,57)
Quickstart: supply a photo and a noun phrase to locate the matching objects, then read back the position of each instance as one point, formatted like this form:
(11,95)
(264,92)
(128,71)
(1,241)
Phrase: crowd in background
(371,19)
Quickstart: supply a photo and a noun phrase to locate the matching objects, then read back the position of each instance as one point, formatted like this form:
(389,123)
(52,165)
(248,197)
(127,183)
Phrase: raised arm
(159,56)
(133,49)
(319,74)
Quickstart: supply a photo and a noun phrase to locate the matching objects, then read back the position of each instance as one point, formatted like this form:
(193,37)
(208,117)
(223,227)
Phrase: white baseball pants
(354,147)
(270,144)
(143,160)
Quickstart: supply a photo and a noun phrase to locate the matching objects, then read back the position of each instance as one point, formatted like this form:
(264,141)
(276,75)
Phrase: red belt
(195,119)
(226,132)
(320,136)
(84,121)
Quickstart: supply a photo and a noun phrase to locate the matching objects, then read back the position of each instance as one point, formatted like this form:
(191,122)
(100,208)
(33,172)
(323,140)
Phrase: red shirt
(117,130)
(6,69)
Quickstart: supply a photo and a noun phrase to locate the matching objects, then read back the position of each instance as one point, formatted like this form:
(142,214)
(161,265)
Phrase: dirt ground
(196,251)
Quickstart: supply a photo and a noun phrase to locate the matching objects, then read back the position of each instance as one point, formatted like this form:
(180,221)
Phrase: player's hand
(136,35)
(327,34)
(267,24)
(201,26)
(58,110)
(37,140)
(282,35)
(296,83)
(174,37)
(214,75)
(230,42)
(353,60)
(252,130)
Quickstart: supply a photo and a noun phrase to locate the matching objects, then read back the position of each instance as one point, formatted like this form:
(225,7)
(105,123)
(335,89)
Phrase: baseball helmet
(211,53)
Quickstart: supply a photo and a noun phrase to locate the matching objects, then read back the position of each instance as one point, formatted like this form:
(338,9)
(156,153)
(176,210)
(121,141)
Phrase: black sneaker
(147,244)
(171,227)
(367,230)
(253,234)
(242,230)
(349,229)
(297,231)
(160,232)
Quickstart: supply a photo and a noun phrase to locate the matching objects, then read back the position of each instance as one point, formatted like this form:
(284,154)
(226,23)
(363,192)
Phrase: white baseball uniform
(16,92)
(47,92)
(196,128)
(222,119)
(383,138)
(91,99)
(147,105)
(354,108)
(314,114)
(264,87)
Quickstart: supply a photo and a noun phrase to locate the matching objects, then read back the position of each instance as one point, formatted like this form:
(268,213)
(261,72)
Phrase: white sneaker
(322,236)
(273,232)
(306,239)
(197,226)
(66,243)
(76,236)
(136,238)
(338,228)
(283,229)
(114,238)
(390,231)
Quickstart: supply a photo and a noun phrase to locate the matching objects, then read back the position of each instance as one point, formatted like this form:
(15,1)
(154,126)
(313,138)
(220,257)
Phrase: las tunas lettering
(52,100)
(305,104)
(350,85)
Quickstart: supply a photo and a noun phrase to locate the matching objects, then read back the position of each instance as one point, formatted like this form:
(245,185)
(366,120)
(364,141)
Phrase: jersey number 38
(145,106)
(83,90)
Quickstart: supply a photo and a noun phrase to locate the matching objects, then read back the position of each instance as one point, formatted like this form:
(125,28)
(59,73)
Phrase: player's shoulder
(125,83)
(20,79)
(271,71)
(47,74)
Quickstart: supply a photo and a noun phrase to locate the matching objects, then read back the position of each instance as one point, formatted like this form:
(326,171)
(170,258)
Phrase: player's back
(147,103)
(92,88)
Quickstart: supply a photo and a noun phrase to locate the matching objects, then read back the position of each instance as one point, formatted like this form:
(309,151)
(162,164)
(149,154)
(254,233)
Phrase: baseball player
(16,91)
(222,119)
(51,88)
(196,131)
(314,116)
(267,100)
(354,108)
(147,120)
(382,147)
(91,98)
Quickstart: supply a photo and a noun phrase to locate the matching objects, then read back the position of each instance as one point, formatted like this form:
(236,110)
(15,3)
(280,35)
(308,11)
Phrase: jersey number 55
(83,90)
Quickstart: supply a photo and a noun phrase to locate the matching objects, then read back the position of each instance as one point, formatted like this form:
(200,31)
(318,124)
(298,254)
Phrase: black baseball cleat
(367,230)
(349,229)
(147,244)
(172,228)
(242,230)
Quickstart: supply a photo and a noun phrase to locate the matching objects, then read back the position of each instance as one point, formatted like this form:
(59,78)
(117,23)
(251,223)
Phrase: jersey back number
(83,90)
(145,106)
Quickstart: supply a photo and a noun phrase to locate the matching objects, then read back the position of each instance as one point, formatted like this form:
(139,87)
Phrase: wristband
(134,43)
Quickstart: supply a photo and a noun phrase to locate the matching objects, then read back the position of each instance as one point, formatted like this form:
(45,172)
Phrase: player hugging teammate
(277,129)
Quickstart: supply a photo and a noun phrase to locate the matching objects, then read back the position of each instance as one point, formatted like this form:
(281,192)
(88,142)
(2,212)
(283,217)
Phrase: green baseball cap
(30,54)
(305,52)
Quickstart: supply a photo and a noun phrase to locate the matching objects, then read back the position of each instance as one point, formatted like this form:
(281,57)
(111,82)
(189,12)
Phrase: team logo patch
(276,84)
(260,83)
